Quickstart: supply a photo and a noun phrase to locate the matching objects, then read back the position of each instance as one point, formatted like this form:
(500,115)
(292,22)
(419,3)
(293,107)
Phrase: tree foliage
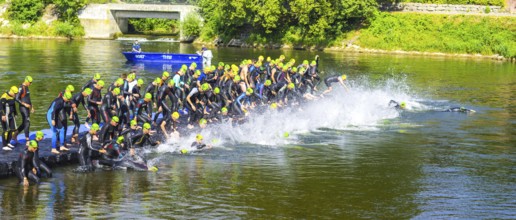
(191,25)
(307,21)
(154,25)
(26,11)
(68,10)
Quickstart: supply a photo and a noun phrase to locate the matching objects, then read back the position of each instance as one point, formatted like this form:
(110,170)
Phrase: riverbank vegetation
(154,26)
(452,2)
(441,33)
(26,18)
(306,22)
(321,24)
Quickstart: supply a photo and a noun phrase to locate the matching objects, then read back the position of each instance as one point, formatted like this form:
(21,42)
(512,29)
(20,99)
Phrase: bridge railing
(171,2)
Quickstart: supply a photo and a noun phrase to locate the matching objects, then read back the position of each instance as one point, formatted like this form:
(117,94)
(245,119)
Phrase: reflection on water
(347,157)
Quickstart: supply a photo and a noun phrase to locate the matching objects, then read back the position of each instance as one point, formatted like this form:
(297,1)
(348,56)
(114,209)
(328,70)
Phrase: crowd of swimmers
(134,115)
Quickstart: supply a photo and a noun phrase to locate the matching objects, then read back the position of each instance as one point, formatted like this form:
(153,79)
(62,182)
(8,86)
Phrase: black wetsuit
(113,154)
(195,97)
(215,103)
(56,112)
(77,99)
(26,164)
(144,111)
(108,133)
(277,88)
(93,107)
(138,139)
(108,104)
(163,92)
(292,95)
(151,88)
(40,166)
(123,112)
(112,86)
(459,109)
(135,97)
(331,79)
(198,146)
(8,109)
(23,96)
(87,153)
(90,84)
(395,104)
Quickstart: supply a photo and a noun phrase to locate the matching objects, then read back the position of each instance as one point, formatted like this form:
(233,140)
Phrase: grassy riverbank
(432,34)
(56,29)
(486,35)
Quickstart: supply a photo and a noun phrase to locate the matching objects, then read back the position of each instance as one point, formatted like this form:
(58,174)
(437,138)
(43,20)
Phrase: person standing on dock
(94,100)
(206,56)
(23,97)
(8,113)
(58,120)
(78,99)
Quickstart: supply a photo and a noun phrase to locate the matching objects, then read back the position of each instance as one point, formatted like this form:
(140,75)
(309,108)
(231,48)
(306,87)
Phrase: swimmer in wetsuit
(170,124)
(91,83)
(109,131)
(8,113)
(23,97)
(198,144)
(398,106)
(58,120)
(87,153)
(112,152)
(94,100)
(460,109)
(333,79)
(78,99)
(27,169)
(143,111)
(140,138)
(39,165)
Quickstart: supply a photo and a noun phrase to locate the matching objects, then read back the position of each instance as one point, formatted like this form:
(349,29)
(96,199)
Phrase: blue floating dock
(9,159)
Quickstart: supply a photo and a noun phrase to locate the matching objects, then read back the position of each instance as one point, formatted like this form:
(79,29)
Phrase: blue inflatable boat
(163,57)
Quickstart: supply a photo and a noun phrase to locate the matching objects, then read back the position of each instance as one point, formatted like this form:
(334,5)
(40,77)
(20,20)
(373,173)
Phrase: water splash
(363,107)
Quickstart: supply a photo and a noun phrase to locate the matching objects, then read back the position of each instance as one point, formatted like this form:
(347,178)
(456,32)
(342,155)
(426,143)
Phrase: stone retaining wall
(443,8)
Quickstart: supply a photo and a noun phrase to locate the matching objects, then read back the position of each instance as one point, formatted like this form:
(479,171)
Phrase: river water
(348,156)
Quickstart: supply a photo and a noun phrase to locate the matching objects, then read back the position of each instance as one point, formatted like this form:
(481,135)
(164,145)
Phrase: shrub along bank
(485,35)
(452,2)
(25,18)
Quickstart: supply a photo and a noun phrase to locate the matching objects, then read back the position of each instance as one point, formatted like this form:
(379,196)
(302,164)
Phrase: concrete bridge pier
(123,24)
(106,21)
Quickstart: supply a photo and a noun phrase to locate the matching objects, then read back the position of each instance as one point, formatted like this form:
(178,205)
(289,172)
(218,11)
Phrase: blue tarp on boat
(163,57)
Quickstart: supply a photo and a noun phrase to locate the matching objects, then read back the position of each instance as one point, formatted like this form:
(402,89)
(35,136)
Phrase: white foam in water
(362,108)
(132,39)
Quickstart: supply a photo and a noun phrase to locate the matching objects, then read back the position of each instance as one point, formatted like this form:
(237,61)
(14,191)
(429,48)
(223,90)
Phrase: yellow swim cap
(33,144)
(116,91)
(14,89)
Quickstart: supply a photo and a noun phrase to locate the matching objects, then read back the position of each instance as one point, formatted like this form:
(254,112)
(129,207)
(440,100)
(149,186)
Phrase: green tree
(26,11)
(68,10)
(314,21)
(191,25)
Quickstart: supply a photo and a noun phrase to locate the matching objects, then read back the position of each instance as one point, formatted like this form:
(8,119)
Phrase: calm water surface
(348,156)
